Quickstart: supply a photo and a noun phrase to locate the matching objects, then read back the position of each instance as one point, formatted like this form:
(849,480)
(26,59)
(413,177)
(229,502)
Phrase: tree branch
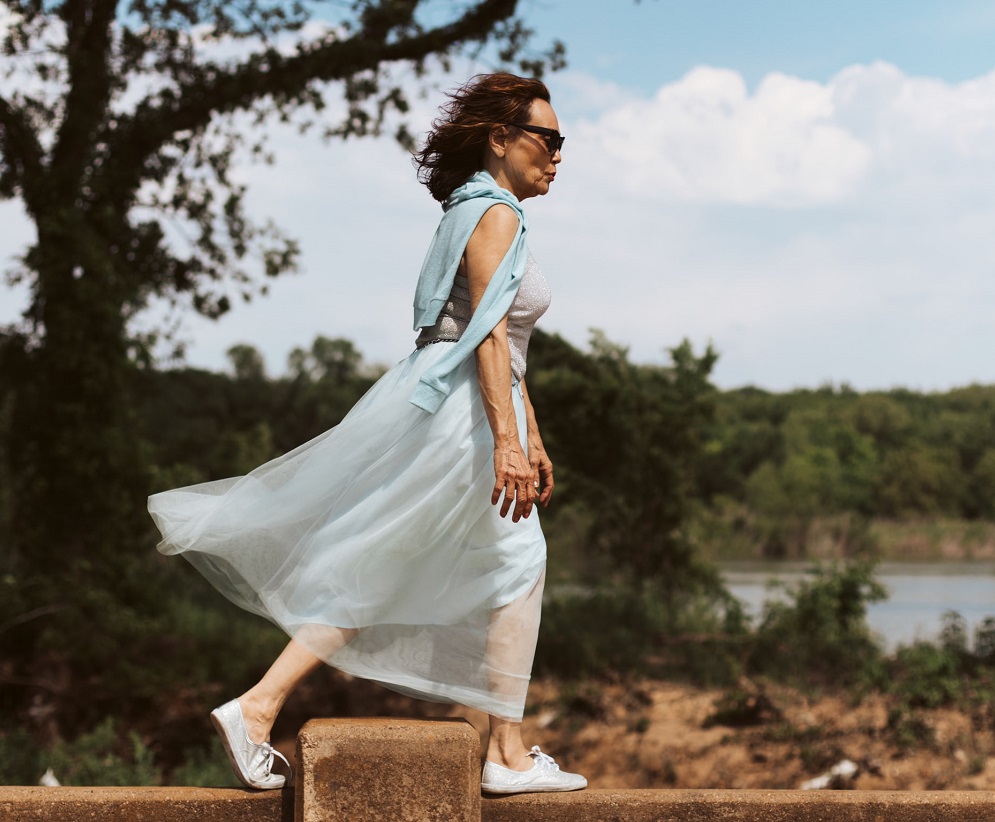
(89,25)
(219,91)
(20,154)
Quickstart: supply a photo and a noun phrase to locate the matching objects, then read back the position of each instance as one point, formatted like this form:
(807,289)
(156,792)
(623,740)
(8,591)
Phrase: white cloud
(705,138)
(813,231)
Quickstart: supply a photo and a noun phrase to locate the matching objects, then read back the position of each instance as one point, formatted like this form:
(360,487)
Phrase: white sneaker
(544,775)
(252,763)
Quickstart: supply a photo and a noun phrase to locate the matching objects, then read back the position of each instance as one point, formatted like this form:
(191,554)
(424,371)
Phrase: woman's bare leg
(511,643)
(505,746)
(263,701)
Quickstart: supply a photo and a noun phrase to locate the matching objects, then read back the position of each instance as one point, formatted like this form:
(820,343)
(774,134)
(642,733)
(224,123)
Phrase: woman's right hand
(514,477)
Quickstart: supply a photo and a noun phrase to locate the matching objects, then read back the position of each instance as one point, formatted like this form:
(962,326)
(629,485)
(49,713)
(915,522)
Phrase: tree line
(644,455)
(774,462)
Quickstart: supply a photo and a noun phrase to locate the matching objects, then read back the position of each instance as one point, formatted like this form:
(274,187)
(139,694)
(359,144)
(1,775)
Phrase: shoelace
(270,752)
(544,759)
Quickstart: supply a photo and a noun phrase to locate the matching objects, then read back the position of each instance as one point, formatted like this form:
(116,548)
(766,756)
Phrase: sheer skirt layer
(375,545)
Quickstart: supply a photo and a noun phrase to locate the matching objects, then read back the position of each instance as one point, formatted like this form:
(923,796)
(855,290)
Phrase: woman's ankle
(505,746)
(259,715)
(508,752)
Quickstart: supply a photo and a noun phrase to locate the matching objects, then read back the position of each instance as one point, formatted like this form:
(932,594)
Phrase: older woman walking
(402,546)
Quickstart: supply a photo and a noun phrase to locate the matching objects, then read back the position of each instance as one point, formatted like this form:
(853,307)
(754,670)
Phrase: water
(918,594)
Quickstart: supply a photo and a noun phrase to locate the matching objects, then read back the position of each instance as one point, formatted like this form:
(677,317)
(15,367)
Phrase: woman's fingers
(515,479)
(546,494)
(543,470)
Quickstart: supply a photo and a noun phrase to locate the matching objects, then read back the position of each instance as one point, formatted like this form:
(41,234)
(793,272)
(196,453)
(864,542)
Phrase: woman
(401,545)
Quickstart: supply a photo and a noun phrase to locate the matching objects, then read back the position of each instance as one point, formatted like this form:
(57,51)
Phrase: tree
(627,440)
(120,124)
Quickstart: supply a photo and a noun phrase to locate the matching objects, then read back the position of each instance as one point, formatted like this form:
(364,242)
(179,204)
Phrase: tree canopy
(118,119)
(121,123)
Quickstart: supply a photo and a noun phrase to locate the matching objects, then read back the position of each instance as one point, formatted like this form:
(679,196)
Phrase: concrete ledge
(743,806)
(389,769)
(131,804)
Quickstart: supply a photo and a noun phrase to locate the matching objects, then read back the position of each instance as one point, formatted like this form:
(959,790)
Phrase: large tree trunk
(75,449)
(77,495)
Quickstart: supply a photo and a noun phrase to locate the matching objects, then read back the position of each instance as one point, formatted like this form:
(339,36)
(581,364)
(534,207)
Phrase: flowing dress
(376,544)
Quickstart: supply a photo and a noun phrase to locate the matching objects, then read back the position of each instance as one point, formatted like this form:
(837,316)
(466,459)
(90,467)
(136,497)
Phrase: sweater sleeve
(436,384)
(464,208)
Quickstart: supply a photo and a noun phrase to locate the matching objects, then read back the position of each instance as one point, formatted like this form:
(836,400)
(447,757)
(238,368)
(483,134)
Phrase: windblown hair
(454,148)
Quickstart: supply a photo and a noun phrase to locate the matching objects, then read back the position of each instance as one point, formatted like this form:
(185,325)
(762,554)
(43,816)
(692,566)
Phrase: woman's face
(522,160)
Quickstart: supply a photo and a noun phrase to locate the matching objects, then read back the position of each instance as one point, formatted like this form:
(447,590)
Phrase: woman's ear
(499,139)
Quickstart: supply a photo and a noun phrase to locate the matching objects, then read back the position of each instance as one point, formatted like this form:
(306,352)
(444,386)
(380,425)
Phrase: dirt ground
(657,734)
(651,734)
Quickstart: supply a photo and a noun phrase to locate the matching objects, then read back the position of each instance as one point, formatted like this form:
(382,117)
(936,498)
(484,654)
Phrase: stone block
(742,806)
(35,804)
(400,770)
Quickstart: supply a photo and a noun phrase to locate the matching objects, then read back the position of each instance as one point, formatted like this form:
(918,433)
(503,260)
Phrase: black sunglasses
(550,136)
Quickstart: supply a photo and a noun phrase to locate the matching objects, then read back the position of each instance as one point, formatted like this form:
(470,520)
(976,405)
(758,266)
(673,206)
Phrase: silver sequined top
(529,305)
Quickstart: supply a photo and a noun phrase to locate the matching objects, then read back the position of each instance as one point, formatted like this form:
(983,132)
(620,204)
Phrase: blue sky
(640,45)
(808,186)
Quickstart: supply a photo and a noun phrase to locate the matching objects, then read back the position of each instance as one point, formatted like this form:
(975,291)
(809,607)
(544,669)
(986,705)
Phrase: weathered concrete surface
(743,806)
(401,770)
(138,804)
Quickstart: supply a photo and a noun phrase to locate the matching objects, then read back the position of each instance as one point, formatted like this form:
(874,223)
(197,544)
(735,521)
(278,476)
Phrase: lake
(919,593)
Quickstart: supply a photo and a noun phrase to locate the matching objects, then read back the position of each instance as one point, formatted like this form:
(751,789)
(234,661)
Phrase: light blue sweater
(463,210)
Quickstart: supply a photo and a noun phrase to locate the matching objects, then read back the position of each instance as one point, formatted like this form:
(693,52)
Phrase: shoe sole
(233,759)
(503,791)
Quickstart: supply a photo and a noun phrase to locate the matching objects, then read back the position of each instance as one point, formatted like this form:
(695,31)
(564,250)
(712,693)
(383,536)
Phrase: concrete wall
(401,770)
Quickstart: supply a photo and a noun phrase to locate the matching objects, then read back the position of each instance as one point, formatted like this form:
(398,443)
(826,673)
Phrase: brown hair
(454,148)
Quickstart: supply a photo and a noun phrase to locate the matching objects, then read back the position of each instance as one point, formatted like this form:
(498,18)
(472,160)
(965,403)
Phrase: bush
(99,757)
(908,729)
(627,629)
(925,675)
(205,768)
(820,634)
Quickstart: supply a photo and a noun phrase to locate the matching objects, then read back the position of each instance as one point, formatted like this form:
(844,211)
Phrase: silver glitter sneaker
(544,776)
(253,763)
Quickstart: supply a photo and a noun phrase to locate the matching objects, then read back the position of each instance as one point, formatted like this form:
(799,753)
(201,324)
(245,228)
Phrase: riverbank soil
(655,734)
(652,734)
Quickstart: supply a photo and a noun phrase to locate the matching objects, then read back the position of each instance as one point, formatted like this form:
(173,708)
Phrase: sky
(808,187)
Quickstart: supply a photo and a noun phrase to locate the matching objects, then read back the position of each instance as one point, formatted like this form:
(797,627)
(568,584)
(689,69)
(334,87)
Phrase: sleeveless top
(529,305)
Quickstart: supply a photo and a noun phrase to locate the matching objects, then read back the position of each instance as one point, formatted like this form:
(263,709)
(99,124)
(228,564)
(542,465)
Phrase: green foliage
(100,756)
(909,729)
(606,630)
(634,629)
(20,757)
(739,708)
(120,139)
(626,440)
(926,676)
(205,768)
(777,467)
(633,590)
(984,641)
(819,634)
(919,480)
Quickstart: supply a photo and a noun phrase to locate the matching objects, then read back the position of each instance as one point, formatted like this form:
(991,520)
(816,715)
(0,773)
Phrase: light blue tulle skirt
(376,546)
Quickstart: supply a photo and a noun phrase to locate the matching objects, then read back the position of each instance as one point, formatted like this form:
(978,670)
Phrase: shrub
(205,768)
(100,756)
(926,676)
(820,634)
(908,729)
(20,758)
(629,629)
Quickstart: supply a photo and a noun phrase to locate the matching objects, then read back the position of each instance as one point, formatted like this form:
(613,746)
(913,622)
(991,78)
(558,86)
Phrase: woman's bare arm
(538,458)
(514,476)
